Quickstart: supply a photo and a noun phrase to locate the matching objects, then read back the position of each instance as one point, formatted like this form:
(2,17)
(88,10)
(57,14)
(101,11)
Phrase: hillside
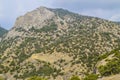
(57,44)
(2,31)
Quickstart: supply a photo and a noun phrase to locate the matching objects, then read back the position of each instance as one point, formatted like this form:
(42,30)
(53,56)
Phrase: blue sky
(11,9)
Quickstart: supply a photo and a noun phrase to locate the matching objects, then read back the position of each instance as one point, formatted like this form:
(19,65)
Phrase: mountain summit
(36,17)
(57,44)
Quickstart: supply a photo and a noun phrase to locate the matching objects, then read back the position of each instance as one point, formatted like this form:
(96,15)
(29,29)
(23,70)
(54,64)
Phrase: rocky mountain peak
(34,18)
(39,18)
(43,8)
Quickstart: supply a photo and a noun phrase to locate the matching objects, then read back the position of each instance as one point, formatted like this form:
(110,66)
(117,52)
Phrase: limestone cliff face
(35,18)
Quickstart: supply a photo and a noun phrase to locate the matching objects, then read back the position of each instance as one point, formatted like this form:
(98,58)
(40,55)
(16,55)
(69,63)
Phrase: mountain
(57,44)
(2,32)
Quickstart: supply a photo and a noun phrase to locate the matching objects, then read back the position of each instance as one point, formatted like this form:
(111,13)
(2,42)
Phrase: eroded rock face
(35,18)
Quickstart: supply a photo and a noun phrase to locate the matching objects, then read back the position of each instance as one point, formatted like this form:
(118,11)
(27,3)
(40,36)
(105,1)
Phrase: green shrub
(1,78)
(75,78)
(112,66)
(47,28)
(36,78)
(91,77)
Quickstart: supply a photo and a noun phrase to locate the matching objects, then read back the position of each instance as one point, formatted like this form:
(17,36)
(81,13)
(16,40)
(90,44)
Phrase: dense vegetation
(36,78)
(47,28)
(112,66)
(75,78)
(91,77)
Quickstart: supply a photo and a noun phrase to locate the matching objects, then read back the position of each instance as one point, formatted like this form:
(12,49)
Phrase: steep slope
(109,65)
(56,44)
(2,31)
